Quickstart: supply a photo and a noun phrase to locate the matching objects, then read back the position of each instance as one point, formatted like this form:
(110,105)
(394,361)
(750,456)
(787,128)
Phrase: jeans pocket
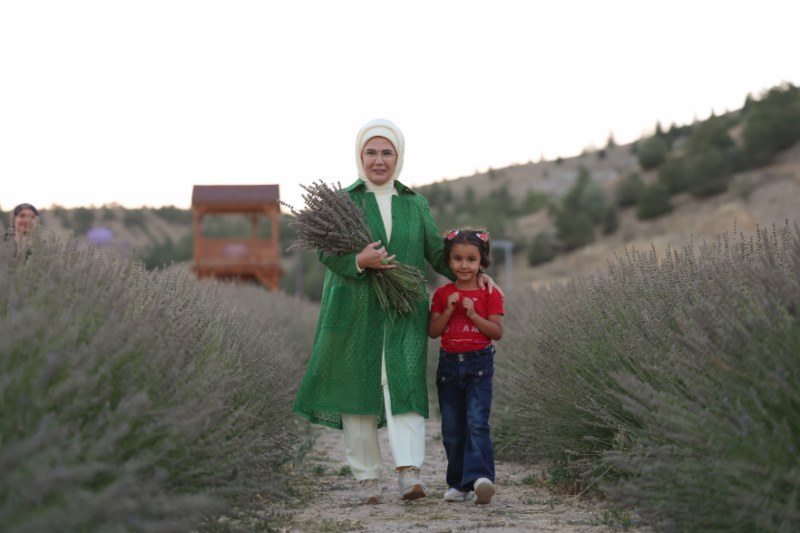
(443,377)
(482,371)
(446,372)
(482,367)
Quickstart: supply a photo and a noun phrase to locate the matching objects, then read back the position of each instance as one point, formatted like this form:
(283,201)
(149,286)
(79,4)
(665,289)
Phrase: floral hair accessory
(482,236)
(452,234)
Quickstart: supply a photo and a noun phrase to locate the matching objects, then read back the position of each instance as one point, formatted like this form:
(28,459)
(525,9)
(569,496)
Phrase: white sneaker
(484,490)
(455,495)
(411,488)
(369,491)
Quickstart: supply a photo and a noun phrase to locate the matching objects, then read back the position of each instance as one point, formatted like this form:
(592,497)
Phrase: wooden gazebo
(252,258)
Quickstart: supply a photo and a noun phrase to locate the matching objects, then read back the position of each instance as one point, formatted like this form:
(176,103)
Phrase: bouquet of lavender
(333,224)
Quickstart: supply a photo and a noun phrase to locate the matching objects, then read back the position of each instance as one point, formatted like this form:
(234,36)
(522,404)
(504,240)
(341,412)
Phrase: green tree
(610,219)
(574,229)
(594,201)
(167,252)
(62,215)
(710,157)
(654,201)
(469,198)
(107,214)
(653,152)
(83,218)
(674,175)
(533,202)
(628,189)
(710,171)
(174,215)
(543,249)
(572,200)
(771,124)
(133,218)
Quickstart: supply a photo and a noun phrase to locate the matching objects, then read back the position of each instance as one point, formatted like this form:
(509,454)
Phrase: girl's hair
(477,237)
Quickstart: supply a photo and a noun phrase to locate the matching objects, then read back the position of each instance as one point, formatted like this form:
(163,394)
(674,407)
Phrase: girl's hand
(469,305)
(452,300)
(375,256)
(484,280)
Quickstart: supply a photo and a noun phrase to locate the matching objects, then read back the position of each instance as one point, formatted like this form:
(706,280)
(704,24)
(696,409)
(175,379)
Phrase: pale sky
(134,102)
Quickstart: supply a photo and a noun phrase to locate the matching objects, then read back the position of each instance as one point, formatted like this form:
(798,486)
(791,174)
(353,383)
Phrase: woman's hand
(484,280)
(375,256)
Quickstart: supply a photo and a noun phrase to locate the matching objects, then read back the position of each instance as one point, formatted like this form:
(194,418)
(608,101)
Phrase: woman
(367,371)
(23,221)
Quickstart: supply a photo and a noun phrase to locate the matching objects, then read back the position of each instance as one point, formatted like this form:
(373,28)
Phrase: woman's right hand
(375,256)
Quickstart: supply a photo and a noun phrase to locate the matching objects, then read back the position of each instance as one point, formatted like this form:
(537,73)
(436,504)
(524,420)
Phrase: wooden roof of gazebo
(236,196)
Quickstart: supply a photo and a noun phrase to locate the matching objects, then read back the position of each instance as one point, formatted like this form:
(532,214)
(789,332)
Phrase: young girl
(468,319)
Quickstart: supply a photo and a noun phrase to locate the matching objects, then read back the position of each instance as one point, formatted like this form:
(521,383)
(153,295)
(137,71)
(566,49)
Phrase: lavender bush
(135,400)
(671,384)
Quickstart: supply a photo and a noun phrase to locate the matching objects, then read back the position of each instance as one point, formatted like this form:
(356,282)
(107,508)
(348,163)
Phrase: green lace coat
(344,372)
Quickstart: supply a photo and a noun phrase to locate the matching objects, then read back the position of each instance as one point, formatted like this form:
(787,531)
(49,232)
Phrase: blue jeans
(464,384)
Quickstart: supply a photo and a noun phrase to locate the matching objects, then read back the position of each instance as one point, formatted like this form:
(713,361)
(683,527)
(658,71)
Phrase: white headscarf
(380,127)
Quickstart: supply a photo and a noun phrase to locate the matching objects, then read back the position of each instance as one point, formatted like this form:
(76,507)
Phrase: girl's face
(379,159)
(24,221)
(465,262)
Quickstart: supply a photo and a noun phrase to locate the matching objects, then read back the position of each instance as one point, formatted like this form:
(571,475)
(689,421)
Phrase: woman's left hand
(484,280)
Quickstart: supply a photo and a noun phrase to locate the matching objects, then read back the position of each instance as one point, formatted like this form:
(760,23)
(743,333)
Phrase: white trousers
(406,438)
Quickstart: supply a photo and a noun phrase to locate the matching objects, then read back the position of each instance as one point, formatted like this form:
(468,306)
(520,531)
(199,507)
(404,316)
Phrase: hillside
(747,164)
(774,199)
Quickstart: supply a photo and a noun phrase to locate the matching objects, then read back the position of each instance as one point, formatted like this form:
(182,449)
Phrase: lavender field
(137,400)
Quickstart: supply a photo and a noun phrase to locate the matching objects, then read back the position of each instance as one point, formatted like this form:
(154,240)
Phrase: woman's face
(24,221)
(379,159)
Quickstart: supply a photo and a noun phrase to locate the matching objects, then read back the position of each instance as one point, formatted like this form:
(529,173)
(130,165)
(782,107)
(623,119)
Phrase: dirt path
(521,503)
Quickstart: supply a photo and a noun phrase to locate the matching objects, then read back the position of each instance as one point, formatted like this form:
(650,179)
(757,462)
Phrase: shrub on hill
(771,124)
(534,201)
(652,152)
(133,218)
(628,189)
(710,170)
(706,162)
(574,229)
(168,252)
(654,201)
(175,215)
(610,219)
(107,214)
(585,205)
(84,218)
(543,249)
(62,215)
(743,185)
(674,175)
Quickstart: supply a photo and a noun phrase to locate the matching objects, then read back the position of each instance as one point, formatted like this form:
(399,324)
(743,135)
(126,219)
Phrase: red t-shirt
(460,334)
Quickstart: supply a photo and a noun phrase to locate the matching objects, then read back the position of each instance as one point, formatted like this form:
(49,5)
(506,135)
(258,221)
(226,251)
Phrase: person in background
(367,370)
(468,318)
(23,221)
